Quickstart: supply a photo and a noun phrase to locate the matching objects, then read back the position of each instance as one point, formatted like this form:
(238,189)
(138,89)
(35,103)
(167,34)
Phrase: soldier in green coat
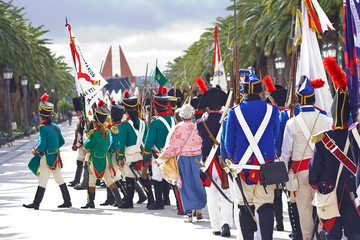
(97,144)
(46,158)
(154,143)
(132,133)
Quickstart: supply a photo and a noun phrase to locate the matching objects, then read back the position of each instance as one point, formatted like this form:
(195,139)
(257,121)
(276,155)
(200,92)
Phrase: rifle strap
(210,134)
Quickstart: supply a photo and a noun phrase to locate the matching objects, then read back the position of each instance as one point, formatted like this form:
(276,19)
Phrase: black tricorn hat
(212,98)
(77,104)
(195,101)
(279,95)
(117,112)
(100,115)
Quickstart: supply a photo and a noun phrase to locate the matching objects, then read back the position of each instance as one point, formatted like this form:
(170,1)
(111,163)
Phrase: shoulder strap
(165,123)
(253,141)
(356,136)
(55,129)
(304,129)
(210,134)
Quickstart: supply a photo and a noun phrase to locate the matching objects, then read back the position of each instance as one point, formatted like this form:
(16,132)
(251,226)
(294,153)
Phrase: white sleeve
(286,149)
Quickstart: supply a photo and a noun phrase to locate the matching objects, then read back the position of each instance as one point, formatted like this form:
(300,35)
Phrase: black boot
(130,189)
(79,168)
(66,196)
(140,192)
(266,221)
(159,203)
(294,221)
(91,198)
(110,200)
(148,190)
(278,210)
(166,191)
(114,190)
(37,200)
(247,223)
(122,187)
(85,182)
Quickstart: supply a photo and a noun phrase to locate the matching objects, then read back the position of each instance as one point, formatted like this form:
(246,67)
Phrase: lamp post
(24,82)
(280,65)
(329,49)
(8,74)
(37,86)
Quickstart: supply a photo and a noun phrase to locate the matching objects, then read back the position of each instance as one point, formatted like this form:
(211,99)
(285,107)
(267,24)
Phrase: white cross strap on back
(139,133)
(305,130)
(253,140)
(166,123)
(213,149)
(356,136)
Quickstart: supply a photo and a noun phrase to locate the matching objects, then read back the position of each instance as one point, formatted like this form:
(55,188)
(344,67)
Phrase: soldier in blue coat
(48,156)
(324,167)
(254,111)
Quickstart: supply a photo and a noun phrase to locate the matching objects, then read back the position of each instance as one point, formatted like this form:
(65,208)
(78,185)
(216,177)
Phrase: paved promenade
(18,186)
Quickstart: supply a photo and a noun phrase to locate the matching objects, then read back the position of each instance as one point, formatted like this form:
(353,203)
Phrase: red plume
(317,83)
(335,72)
(44,97)
(269,85)
(101,103)
(164,90)
(112,102)
(160,89)
(201,84)
(126,94)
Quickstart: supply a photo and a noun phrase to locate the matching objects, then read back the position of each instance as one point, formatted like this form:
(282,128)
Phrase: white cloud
(139,48)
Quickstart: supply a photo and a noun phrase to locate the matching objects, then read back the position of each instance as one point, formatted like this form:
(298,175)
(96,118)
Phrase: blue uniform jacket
(236,143)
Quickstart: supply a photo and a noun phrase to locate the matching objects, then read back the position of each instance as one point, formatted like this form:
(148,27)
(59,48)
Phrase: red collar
(346,126)
(128,118)
(162,114)
(118,122)
(199,111)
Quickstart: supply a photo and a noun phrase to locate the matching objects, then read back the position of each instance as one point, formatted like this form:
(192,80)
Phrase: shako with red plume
(335,72)
(101,103)
(130,102)
(340,108)
(201,84)
(46,108)
(269,85)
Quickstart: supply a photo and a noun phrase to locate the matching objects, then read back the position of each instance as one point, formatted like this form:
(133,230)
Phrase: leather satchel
(273,173)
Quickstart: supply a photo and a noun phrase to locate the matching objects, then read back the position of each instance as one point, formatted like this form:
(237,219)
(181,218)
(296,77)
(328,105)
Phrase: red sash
(338,154)
(302,165)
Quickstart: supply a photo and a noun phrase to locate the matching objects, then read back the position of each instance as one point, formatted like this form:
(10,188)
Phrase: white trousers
(156,172)
(220,210)
(81,154)
(108,176)
(45,172)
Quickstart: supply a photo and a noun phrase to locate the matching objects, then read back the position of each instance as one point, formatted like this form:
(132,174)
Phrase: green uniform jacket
(156,136)
(114,140)
(99,150)
(49,142)
(128,137)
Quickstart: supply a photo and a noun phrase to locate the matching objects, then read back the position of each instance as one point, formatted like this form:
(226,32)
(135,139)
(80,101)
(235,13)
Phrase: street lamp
(24,82)
(329,49)
(8,74)
(279,65)
(37,86)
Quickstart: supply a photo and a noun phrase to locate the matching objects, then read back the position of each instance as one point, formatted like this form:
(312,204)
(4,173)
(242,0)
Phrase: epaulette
(91,132)
(318,137)
(155,117)
(114,129)
(354,125)
(40,126)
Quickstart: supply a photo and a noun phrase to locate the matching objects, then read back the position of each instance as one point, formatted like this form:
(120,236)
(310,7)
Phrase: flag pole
(236,59)
(231,66)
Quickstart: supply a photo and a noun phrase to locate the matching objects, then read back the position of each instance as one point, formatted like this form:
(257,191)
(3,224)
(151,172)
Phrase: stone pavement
(18,186)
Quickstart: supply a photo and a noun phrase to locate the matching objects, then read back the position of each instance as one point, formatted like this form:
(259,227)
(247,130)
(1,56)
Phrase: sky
(146,30)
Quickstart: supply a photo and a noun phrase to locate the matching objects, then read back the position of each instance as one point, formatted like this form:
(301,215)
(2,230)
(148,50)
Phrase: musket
(145,166)
(236,59)
(137,178)
(234,176)
(231,66)
(202,168)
